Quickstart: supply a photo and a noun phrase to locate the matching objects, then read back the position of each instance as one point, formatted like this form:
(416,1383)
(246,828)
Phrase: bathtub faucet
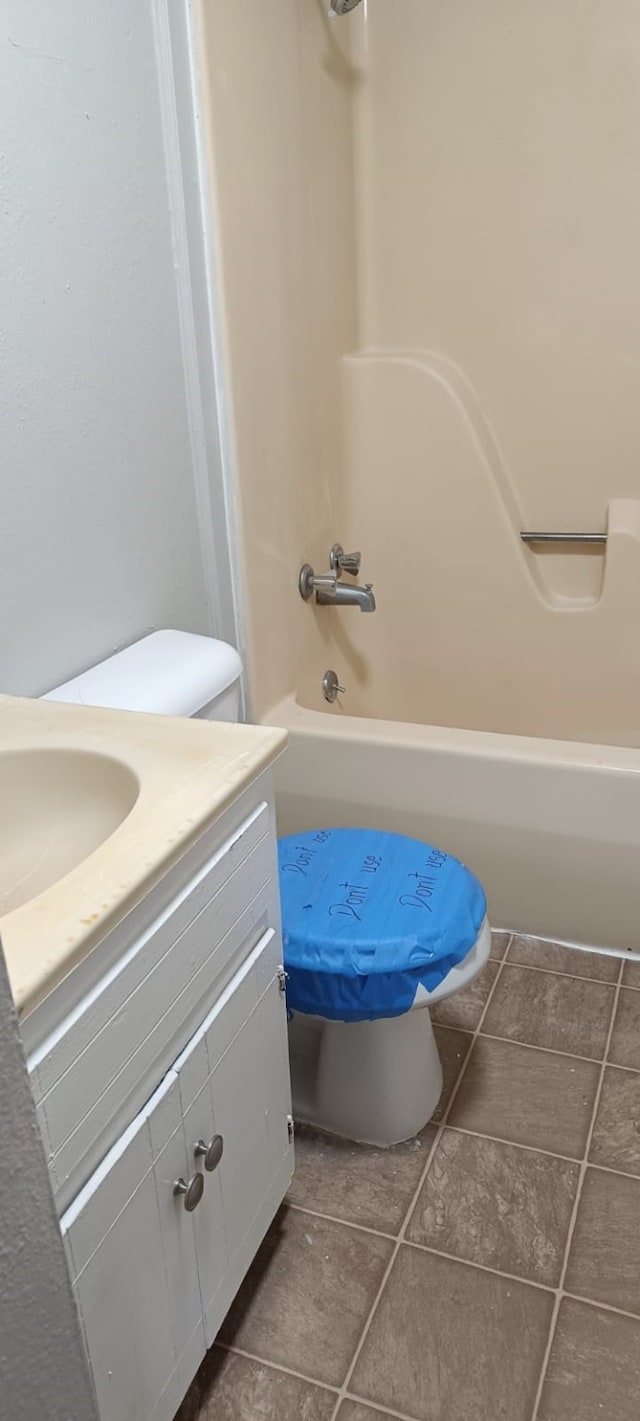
(329,591)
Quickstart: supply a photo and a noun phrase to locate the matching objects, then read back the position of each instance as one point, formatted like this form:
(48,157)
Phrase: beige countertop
(179,774)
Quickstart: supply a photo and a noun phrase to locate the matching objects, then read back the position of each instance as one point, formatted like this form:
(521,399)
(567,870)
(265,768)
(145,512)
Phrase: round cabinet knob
(211,1153)
(192,1191)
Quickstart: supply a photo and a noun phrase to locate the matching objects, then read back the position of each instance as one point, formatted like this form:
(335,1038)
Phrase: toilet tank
(166,673)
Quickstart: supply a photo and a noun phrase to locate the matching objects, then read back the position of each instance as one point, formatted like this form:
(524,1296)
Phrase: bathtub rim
(291,714)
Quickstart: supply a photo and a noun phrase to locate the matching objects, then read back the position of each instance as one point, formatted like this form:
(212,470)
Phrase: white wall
(99,536)
(43,1371)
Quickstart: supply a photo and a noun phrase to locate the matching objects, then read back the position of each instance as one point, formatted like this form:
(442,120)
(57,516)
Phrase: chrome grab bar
(564,537)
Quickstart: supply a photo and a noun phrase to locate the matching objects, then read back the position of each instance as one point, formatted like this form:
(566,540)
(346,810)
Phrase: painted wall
(99,537)
(43,1370)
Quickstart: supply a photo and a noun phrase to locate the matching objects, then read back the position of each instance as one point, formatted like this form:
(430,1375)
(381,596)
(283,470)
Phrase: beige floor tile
(594,1368)
(358,1183)
(233,1388)
(625,1038)
(544,1009)
(554,957)
(499,944)
(453,1047)
(527,1097)
(464,1009)
(616,1136)
(497,1205)
(449,1342)
(604,1263)
(631,973)
(306,1298)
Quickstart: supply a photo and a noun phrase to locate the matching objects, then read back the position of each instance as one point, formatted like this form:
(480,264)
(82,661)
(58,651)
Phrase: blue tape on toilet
(368,917)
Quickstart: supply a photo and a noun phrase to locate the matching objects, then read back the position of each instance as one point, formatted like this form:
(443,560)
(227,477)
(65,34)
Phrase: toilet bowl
(373,958)
(377,1082)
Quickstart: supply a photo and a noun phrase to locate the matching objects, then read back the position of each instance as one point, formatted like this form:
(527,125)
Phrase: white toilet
(377,1081)
(377,927)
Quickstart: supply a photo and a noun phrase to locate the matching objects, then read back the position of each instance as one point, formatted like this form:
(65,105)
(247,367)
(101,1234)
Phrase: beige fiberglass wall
(429,216)
(278,88)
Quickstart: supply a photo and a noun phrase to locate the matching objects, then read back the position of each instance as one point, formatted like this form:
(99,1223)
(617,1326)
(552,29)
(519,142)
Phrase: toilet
(364,1059)
(376,929)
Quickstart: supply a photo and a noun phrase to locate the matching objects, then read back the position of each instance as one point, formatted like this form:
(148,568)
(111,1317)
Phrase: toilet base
(377,1082)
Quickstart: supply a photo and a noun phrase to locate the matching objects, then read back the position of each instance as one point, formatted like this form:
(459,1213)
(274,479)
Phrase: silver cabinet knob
(211,1153)
(192,1191)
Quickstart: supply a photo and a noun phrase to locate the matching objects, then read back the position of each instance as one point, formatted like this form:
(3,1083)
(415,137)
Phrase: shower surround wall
(277,88)
(428,219)
(499,226)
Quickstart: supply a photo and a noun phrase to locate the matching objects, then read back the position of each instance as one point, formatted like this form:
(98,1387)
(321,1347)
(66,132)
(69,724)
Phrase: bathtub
(551,827)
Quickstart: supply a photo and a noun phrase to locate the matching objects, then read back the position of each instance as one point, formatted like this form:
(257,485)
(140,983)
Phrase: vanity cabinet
(164,1100)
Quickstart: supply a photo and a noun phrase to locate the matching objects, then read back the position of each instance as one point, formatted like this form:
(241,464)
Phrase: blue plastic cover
(368,917)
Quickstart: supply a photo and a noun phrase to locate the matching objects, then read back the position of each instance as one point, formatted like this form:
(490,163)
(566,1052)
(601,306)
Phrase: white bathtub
(551,827)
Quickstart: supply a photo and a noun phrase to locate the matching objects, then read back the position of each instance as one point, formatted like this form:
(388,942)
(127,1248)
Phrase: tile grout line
(534,1150)
(558,972)
(531,1045)
(550,1050)
(603,1307)
(382,1411)
(344,1223)
(277,1366)
(416,1194)
(576,1206)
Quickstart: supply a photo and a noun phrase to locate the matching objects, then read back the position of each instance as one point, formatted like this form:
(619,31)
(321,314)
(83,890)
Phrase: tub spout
(329,591)
(348,596)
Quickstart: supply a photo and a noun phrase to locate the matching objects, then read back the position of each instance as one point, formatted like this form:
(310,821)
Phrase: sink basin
(56,807)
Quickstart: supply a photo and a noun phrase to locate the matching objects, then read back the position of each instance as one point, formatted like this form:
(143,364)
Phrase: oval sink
(57,806)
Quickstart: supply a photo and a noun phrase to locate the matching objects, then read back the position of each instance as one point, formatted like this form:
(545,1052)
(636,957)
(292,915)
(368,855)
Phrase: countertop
(188,771)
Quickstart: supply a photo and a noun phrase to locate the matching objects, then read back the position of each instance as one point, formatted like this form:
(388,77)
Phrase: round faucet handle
(344,562)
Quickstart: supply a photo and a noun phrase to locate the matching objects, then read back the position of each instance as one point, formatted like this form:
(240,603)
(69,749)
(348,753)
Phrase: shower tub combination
(474,629)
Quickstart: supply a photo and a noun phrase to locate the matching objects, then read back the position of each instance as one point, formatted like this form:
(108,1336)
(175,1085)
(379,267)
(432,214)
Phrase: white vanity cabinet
(170,1069)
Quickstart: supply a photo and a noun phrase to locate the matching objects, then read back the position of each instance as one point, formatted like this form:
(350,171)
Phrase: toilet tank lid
(166,673)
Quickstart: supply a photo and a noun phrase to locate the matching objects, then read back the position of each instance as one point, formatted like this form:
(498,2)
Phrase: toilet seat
(375,924)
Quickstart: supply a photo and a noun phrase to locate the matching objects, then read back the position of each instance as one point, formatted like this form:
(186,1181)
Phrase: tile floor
(488,1270)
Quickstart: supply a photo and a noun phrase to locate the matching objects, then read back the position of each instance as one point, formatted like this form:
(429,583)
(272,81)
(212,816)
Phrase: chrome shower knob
(340,561)
(192,1191)
(210,1154)
(331,687)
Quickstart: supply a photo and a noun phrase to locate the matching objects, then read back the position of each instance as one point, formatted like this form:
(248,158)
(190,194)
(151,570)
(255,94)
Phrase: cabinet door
(234,1081)
(139,1321)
